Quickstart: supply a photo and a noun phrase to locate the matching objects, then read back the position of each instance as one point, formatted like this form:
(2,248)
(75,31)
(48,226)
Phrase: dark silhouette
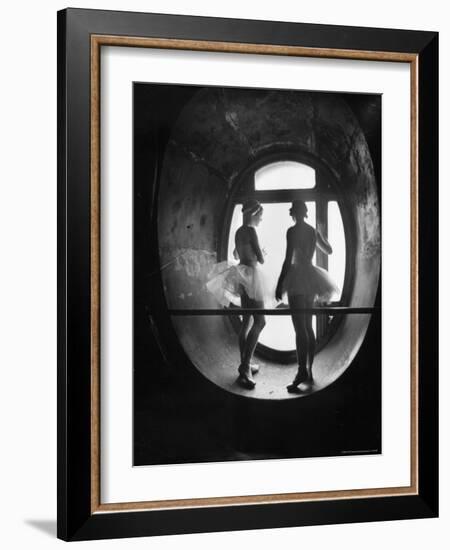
(304,283)
(244,284)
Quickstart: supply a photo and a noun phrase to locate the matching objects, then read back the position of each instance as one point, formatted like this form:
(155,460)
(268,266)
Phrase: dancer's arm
(287,262)
(323,243)
(255,245)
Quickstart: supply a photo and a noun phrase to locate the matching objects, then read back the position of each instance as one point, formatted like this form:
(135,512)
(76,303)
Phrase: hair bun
(299,205)
(251,206)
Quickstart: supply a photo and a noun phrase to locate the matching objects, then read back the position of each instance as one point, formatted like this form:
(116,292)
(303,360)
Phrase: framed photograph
(247,256)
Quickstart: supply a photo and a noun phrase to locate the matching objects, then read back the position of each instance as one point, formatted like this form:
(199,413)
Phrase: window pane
(336,237)
(285,175)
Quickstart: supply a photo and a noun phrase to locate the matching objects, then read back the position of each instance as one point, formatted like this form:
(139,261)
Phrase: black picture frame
(79,517)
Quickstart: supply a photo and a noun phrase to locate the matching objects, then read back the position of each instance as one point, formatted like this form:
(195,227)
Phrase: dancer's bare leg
(311,338)
(259,322)
(249,345)
(301,341)
(243,333)
(247,321)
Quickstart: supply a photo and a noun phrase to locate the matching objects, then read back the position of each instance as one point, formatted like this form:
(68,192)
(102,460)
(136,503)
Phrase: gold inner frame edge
(97,41)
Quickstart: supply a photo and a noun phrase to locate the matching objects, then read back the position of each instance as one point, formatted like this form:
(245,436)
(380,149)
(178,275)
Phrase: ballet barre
(327,310)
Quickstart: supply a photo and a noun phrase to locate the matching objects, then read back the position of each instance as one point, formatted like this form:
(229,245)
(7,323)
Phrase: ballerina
(304,283)
(244,285)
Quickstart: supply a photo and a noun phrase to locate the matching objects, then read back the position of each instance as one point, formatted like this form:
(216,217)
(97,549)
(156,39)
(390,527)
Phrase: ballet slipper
(299,379)
(254,368)
(292,388)
(246,382)
(245,377)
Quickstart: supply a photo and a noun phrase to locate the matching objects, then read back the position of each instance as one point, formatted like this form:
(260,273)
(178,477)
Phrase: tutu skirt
(227,282)
(309,280)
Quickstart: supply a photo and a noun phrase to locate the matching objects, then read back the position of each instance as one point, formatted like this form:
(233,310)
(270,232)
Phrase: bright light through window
(285,175)
(336,237)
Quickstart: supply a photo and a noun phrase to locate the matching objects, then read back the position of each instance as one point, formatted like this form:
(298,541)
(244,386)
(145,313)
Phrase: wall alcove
(222,138)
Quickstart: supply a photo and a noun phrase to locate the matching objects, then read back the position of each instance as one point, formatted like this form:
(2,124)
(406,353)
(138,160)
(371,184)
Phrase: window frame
(327,189)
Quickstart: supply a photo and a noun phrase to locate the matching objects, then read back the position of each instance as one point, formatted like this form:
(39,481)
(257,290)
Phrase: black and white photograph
(224,242)
(256,273)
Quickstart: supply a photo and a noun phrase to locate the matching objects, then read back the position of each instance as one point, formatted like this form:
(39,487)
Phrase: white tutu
(227,281)
(309,280)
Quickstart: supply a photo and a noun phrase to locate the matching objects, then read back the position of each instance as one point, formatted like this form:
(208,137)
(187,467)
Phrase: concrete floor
(271,380)
(212,345)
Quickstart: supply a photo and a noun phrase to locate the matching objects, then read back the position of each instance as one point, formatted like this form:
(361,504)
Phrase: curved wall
(218,135)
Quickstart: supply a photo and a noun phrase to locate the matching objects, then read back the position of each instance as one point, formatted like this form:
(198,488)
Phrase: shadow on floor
(47,526)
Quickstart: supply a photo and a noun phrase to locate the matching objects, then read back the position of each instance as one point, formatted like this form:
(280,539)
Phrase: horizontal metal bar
(332,310)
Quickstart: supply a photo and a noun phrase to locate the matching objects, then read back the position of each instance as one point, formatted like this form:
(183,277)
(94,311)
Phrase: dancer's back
(245,241)
(303,243)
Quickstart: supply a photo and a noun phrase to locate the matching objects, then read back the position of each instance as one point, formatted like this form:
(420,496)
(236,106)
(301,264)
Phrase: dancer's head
(252,212)
(298,210)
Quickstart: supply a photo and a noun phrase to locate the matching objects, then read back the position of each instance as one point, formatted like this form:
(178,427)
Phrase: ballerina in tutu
(244,285)
(304,284)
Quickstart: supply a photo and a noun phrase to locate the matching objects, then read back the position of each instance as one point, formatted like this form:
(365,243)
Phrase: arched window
(276,183)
